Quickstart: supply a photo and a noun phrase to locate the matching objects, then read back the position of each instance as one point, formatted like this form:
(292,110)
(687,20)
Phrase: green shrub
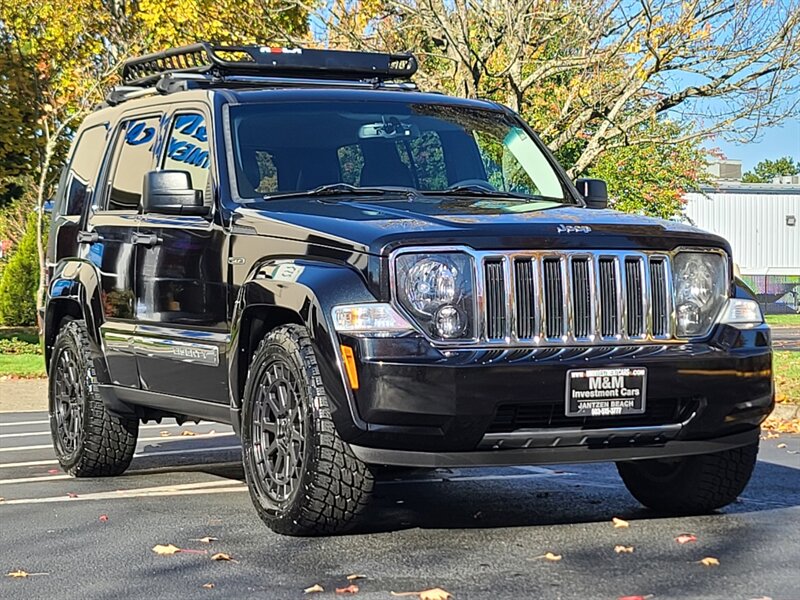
(18,346)
(20,280)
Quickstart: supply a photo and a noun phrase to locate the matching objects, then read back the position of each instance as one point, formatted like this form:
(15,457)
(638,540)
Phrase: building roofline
(738,187)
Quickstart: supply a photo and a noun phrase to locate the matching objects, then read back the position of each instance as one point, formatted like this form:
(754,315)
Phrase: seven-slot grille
(573,297)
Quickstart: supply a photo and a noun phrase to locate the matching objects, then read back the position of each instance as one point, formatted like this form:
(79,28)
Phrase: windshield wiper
(479,190)
(333,189)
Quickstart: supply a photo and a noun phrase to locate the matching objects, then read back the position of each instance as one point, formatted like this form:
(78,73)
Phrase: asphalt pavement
(478,533)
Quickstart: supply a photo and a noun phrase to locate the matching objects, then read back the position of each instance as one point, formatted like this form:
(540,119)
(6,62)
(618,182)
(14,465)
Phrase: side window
(134,158)
(82,169)
(187,149)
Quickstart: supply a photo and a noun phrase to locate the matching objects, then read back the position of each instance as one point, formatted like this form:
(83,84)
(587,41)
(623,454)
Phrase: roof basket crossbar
(221,61)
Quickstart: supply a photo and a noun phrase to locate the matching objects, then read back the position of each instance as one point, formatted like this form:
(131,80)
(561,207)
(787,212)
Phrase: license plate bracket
(605,392)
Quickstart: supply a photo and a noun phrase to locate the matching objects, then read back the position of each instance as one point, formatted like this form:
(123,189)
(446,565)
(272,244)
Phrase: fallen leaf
(2,499)
(18,573)
(686,538)
(709,561)
(208,586)
(53,471)
(431,594)
(222,556)
(772,435)
(781,445)
(205,540)
(636,597)
(21,573)
(103,518)
(164,433)
(314,589)
(188,432)
(762,598)
(623,549)
(350,589)
(353,577)
(549,556)
(167,549)
(619,523)
(72,495)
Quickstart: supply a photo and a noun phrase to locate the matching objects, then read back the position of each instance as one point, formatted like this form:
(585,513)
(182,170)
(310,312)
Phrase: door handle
(88,237)
(146,239)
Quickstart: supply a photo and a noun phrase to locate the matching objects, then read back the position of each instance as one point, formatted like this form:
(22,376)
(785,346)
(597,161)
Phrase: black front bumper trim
(553,455)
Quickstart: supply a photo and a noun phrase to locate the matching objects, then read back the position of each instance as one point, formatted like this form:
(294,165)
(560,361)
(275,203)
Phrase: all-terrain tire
(690,485)
(88,440)
(331,486)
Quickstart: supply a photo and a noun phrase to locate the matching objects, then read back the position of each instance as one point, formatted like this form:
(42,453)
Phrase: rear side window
(134,158)
(83,168)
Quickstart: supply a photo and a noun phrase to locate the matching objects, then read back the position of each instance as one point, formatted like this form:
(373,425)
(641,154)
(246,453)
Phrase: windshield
(281,148)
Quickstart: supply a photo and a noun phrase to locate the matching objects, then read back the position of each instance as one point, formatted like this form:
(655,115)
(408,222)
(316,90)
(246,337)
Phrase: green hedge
(19,281)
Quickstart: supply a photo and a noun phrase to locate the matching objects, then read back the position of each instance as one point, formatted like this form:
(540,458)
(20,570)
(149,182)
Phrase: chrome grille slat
(526,309)
(633,297)
(495,304)
(658,295)
(554,298)
(609,322)
(581,298)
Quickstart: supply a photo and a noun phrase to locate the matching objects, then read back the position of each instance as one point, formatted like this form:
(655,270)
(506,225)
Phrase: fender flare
(309,290)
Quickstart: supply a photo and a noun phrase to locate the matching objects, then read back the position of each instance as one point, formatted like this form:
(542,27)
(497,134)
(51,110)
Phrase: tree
(599,76)
(19,282)
(767,170)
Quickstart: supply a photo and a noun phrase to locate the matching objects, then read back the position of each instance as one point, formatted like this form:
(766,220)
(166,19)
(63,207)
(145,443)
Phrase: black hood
(378,225)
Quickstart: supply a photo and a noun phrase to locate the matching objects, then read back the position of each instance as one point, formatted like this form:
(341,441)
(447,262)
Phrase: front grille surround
(527,325)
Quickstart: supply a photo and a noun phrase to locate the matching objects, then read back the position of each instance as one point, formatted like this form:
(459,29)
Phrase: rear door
(109,240)
(181,298)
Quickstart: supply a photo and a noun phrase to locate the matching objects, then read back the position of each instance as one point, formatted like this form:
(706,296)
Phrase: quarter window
(83,169)
(134,152)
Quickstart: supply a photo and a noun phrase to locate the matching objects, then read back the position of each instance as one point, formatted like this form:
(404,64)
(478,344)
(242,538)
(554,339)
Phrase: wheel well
(256,322)
(57,313)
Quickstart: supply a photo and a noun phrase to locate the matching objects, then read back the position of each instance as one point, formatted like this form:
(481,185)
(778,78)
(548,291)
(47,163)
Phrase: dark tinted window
(187,148)
(428,147)
(82,169)
(134,158)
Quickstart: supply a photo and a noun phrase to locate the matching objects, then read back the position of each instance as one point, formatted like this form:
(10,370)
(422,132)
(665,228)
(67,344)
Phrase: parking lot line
(177,438)
(47,432)
(39,463)
(205,487)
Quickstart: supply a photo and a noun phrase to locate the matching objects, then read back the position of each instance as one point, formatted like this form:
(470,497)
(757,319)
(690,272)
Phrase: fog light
(449,321)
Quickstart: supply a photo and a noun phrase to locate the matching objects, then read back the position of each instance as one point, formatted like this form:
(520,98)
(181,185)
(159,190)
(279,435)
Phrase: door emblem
(573,229)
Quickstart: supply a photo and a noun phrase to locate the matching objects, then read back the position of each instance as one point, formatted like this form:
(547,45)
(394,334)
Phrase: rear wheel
(88,440)
(303,479)
(691,484)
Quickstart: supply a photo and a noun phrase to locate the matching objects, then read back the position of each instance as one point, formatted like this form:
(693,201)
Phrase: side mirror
(171,193)
(594,192)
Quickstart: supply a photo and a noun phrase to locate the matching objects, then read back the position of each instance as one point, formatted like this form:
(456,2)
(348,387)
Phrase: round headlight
(429,284)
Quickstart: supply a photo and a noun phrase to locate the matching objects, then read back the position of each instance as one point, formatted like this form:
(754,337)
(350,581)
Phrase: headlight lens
(372,318)
(437,290)
(700,283)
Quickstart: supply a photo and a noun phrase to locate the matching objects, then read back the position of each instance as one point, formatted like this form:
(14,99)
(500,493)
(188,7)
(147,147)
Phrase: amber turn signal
(350,366)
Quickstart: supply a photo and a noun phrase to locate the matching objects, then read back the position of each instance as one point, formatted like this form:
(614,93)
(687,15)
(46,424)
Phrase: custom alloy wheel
(278,430)
(303,478)
(69,390)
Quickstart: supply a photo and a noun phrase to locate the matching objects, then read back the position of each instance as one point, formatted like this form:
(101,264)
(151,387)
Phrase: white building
(762,223)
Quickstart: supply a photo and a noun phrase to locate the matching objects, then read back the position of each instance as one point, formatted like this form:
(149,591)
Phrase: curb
(786,412)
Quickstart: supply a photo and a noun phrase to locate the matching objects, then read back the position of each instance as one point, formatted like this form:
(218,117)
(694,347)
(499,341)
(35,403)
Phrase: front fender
(308,291)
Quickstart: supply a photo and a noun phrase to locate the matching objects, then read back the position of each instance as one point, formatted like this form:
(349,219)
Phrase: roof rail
(222,61)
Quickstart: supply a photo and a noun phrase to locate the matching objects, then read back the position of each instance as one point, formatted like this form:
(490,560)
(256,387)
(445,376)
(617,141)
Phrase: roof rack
(225,61)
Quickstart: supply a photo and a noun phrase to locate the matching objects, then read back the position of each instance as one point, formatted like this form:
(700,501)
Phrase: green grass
(783,320)
(22,365)
(787,376)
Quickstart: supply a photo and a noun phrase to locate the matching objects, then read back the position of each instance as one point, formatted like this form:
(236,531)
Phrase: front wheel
(303,478)
(691,484)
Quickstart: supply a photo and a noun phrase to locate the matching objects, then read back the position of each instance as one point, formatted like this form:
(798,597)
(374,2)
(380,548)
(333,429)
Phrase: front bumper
(425,407)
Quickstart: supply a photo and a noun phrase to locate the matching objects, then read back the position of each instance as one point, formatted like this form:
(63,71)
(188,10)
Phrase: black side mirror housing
(594,192)
(171,193)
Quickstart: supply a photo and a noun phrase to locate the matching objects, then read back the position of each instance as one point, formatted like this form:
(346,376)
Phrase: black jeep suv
(354,273)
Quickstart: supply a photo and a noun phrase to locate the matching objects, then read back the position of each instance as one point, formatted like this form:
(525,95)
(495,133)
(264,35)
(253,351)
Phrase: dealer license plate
(606,392)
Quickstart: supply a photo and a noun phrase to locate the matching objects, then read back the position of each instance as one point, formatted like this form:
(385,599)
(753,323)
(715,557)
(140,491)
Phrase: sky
(772,143)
